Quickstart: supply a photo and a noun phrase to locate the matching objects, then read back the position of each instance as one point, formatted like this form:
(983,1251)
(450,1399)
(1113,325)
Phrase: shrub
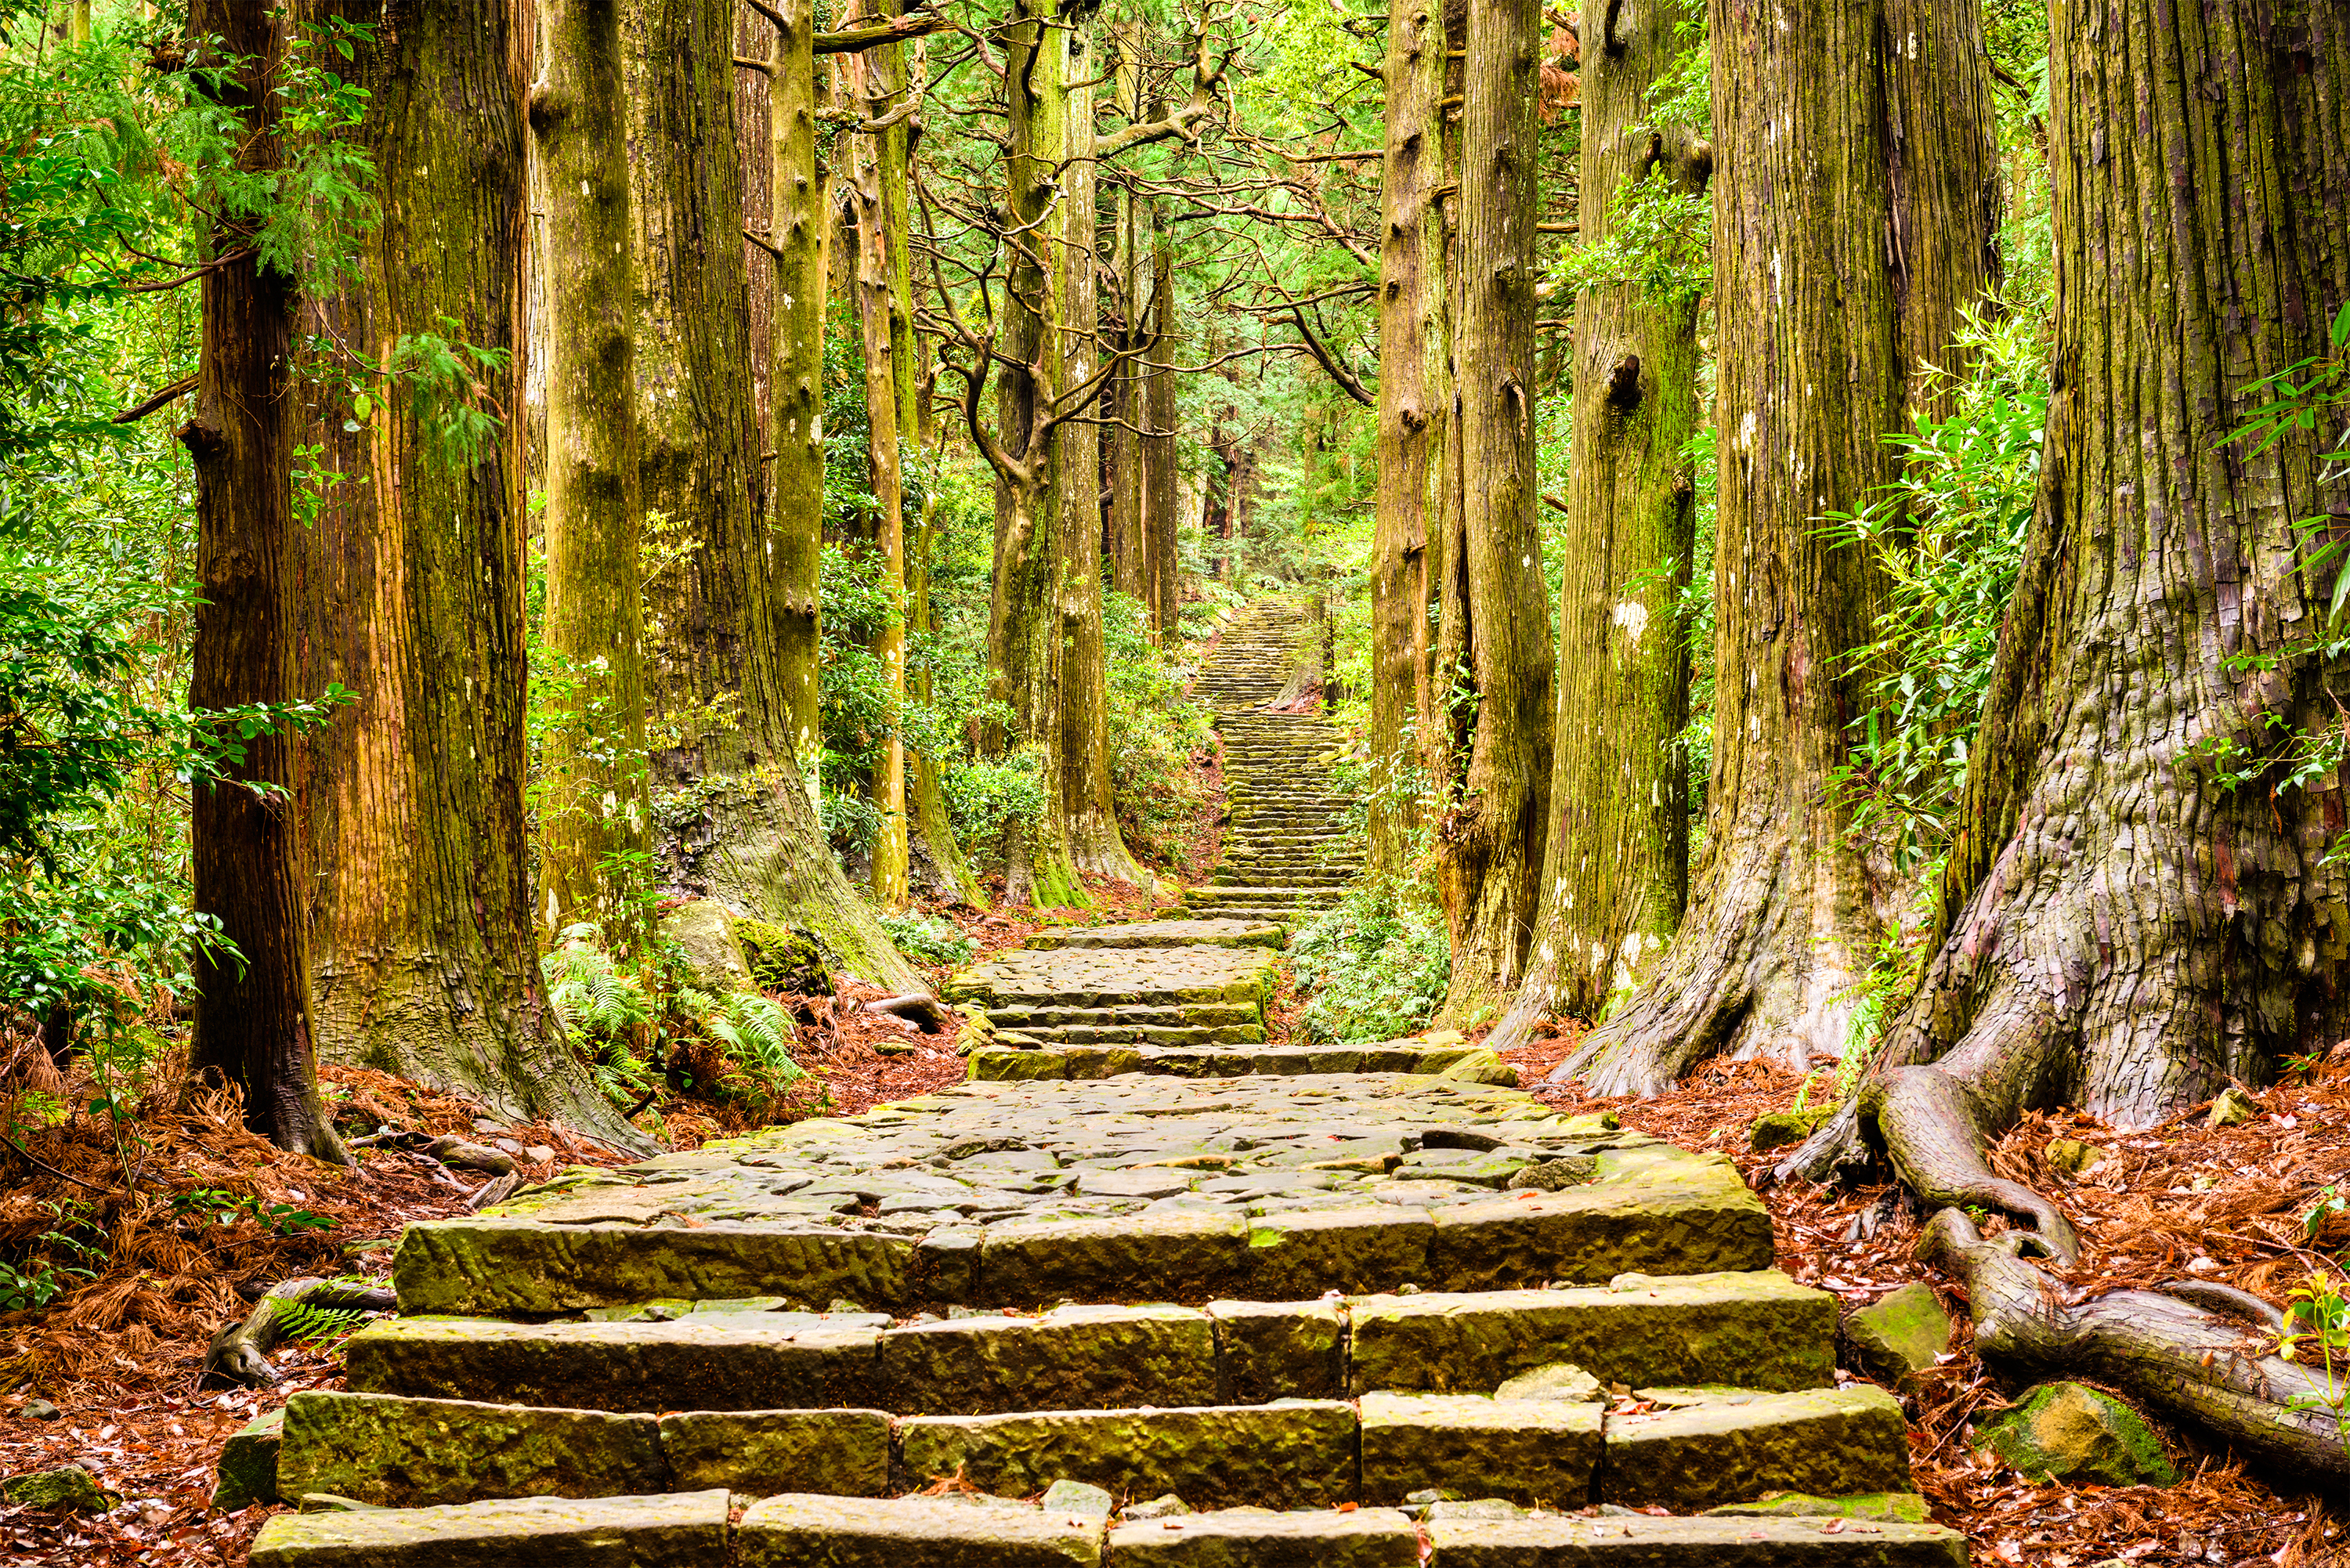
(1377,964)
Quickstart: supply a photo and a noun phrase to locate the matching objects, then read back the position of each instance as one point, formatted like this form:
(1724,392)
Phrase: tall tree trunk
(422,940)
(876,298)
(1159,478)
(2119,930)
(1817,179)
(1616,872)
(1087,794)
(595,802)
(253,1023)
(1415,410)
(1491,841)
(1024,641)
(1129,548)
(799,220)
(739,822)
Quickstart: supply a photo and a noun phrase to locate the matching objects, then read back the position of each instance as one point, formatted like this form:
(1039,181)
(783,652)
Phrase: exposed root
(239,1356)
(2185,1350)
(1933,1128)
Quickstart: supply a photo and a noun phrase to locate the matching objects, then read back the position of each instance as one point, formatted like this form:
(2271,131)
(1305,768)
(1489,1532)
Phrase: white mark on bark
(1633,617)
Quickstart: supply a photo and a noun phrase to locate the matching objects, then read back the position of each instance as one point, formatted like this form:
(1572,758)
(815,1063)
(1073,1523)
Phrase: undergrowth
(1375,965)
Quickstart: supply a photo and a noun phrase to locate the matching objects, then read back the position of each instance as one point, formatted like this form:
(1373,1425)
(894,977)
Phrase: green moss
(2074,1433)
(784,958)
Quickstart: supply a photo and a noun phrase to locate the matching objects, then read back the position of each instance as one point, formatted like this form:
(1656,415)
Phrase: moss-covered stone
(761,1453)
(784,958)
(1640,1541)
(2074,1433)
(709,1361)
(714,961)
(1560,1380)
(1776,1129)
(1005,1064)
(1294,1454)
(687,1529)
(1280,1350)
(1162,1257)
(68,1488)
(1696,1220)
(1297,1256)
(1899,1337)
(248,1470)
(1828,1442)
(1256,1537)
(807,1531)
(1073,1359)
(407,1453)
(1534,1451)
(1906,1507)
(1761,1329)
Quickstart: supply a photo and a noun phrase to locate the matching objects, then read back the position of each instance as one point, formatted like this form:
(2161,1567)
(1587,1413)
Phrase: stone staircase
(1147,1290)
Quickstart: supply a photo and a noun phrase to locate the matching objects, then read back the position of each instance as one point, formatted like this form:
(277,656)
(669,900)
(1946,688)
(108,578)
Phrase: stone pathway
(1147,1289)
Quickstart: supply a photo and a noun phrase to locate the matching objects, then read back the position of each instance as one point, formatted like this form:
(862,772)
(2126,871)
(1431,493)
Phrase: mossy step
(1123,1032)
(1020,1057)
(1759,1331)
(1109,977)
(683,1531)
(400,1452)
(1162,934)
(1186,1012)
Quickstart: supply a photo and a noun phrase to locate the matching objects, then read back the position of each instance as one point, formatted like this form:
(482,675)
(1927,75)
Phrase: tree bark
(1819,187)
(798,221)
(1414,414)
(738,819)
(1616,872)
(1161,527)
(253,1021)
(1130,566)
(2119,928)
(1490,843)
(425,962)
(595,801)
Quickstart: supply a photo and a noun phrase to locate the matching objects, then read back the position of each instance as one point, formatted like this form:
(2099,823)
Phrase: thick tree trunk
(1490,839)
(595,801)
(1414,414)
(798,222)
(422,940)
(2119,930)
(1126,532)
(253,1023)
(1088,796)
(738,820)
(1616,872)
(1823,196)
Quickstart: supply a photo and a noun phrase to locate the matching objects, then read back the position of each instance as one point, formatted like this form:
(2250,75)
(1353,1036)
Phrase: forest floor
(118,1357)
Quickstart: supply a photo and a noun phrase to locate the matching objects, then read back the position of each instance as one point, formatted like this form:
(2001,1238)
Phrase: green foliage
(985,793)
(206,1206)
(23,1289)
(1154,728)
(1658,237)
(754,1032)
(1375,963)
(2316,1333)
(1948,536)
(928,939)
(307,1323)
(607,1012)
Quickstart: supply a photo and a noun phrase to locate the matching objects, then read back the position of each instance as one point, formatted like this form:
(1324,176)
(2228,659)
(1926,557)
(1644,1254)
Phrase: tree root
(2188,1349)
(1933,1129)
(239,1356)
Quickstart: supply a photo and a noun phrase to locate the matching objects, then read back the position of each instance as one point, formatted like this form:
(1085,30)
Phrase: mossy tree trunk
(1616,870)
(1159,478)
(595,800)
(254,1022)
(1490,840)
(1414,413)
(733,806)
(424,951)
(2118,928)
(1833,176)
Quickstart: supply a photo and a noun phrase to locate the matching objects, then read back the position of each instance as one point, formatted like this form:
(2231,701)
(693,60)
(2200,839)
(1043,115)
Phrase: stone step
(1122,1032)
(1110,977)
(1189,1012)
(404,1453)
(1755,1331)
(1014,1059)
(1162,934)
(965,1531)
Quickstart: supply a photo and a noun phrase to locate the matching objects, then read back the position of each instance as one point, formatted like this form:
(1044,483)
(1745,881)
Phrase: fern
(755,1034)
(314,1325)
(589,988)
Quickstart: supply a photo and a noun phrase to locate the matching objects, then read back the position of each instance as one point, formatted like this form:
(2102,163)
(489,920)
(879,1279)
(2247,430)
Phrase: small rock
(1166,1507)
(842,1303)
(1775,1129)
(1443,1037)
(2071,1157)
(2074,1433)
(484,1124)
(511,1145)
(1898,1339)
(1591,1122)
(1077,1498)
(2232,1108)
(1425,1496)
(248,1468)
(38,1410)
(538,1154)
(1551,1175)
(1482,1509)
(892,1048)
(1560,1380)
(149,1511)
(68,1488)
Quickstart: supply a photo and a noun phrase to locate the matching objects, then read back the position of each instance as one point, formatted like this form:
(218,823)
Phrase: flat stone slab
(686,1529)
(1165,934)
(807,1531)
(1055,1060)
(1828,1442)
(1524,1451)
(1076,1358)
(1292,1454)
(1091,977)
(1552,1540)
(1260,1538)
(402,1453)
(1024,1193)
